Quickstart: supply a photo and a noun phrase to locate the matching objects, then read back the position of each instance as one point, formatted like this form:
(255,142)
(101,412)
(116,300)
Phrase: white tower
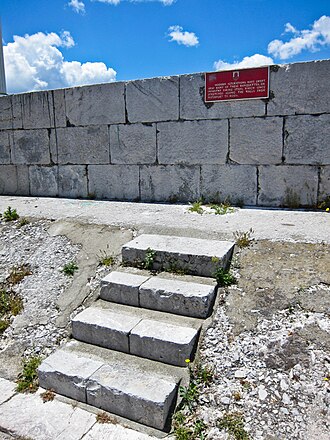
(3,90)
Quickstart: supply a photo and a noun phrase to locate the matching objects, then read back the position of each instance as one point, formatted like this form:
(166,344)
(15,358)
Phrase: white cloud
(35,62)
(312,39)
(252,61)
(77,6)
(182,37)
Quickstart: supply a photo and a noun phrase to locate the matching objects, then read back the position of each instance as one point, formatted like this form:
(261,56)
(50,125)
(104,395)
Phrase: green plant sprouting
(148,259)
(243,239)
(10,214)
(70,268)
(27,381)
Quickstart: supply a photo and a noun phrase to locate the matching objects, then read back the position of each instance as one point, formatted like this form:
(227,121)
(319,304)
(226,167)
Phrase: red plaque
(231,85)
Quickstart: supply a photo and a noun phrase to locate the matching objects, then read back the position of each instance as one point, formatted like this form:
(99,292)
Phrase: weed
(10,303)
(148,259)
(48,396)
(70,268)
(325,204)
(23,221)
(173,267)
(237,395)
(234,424)
(28,380)
(4,324)
(188,395)
(10,215)
(18,273)
(224,277)
(245,384)
(105,259)
(222,208)
(196,207)
(243,239)
(103,417)
(203,375)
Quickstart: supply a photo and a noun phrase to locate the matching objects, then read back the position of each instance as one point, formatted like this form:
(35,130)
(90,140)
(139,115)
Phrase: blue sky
(61,43)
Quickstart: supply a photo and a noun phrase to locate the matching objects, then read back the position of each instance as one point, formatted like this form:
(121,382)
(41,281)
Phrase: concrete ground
(27,416)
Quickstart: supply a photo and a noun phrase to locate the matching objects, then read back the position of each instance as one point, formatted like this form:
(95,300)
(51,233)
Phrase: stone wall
(156,140)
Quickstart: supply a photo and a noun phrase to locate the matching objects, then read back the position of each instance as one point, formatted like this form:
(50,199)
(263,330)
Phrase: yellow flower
(187,361)
(326,378)
(327,210)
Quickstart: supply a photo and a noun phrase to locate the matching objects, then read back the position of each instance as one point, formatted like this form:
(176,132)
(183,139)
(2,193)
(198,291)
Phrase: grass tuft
(233,423)
(27,381)
(70,268)
(243,239)
(196,207)
(10,215)
(18,273)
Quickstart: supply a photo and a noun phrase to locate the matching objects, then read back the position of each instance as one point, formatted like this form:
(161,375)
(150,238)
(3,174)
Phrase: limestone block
(67,373)
(122,288)
(72,181)
(290,186)
(236,184)
(7,390)
(14,180)
(172,183)
(256,140)
(95,104)
(5,137)
(59,107)
(179,297)
(106,431)
(152,100)
(37,109)
(26,416)
(31,147)
(307,140)
(83,145)
(114,182)
(163,342)
(132,393)
(300,88)
(6,116)
(101,326)
(17,114)
(324,191)
(133,144)
(194,255)
(43,181)
(192,105)
(192,142)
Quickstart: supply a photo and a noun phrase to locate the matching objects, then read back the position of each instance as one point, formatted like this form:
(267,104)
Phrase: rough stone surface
(114,182)
(83,145)
(115,432)
(5,137)
(234,183)
(41,421)
(101,326)
(171,183)
(37,110)
(288,186)
(16,108)
(31,147)
(163,342)
(14,180)
(132,394)
(174,296)
(59,107)
(122,288)
(192,142)
(307,140)
(256,140)
(194,255)
(7,390)
(6,116)
(67,373)
(300,88)
(324,190)
(95,105)
(43,181)
(72,181)
(152,100)
(192,105)
(133,144)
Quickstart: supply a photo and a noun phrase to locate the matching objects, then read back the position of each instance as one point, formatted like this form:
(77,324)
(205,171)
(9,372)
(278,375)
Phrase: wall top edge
(125,82)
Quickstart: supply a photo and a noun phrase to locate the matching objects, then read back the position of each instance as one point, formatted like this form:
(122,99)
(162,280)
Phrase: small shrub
(148,259)
(224,277)
(70,268)
(233,423)
(18,273)
(196,207)
(243,239)
(27,381)
(10,214)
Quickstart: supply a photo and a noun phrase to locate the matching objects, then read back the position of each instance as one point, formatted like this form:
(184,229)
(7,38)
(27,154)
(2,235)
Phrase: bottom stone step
(137,389)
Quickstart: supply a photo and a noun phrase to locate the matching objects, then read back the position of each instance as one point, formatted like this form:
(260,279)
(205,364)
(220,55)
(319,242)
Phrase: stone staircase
(129,348)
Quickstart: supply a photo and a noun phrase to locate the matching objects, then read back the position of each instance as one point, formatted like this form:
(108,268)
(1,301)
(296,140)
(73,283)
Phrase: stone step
(157,293)
(146,333)
(140,390)
(193,255)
